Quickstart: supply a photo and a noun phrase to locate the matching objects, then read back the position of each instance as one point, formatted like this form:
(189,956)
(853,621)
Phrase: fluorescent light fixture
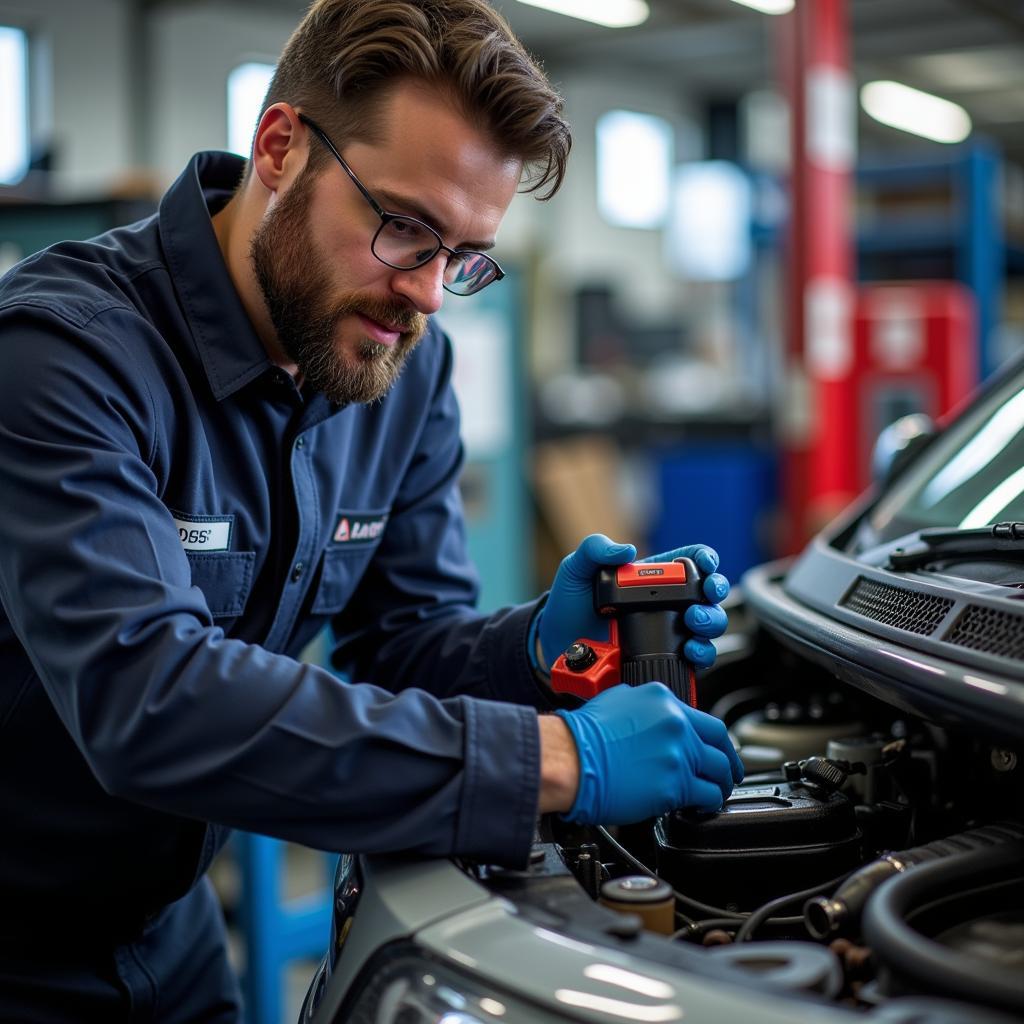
(769,6)
(911,110)
(634,168)
(610,13)
(707,237)
(13,104)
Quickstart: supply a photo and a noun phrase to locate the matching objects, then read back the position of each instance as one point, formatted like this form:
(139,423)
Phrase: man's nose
(423,287)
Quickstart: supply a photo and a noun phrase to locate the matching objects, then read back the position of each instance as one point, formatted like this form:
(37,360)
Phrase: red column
(820,458)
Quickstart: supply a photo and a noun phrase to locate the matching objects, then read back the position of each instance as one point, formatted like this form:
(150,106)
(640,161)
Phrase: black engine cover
(768,840)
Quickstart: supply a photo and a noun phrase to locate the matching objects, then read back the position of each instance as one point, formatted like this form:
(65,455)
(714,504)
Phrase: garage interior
(669,321)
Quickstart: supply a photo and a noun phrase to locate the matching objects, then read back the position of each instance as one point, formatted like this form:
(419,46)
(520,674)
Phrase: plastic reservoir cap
(636,889)
(650,898)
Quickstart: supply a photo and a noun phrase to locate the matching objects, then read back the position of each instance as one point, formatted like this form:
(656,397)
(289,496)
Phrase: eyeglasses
(406,243)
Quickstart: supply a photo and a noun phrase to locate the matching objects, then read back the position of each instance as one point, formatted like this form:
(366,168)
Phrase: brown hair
(346,53)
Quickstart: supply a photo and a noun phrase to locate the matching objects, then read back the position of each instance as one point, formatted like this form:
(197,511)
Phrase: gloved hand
(569,613)
(643,752)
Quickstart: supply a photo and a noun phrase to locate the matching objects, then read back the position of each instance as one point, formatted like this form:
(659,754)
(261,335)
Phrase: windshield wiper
(1002,540)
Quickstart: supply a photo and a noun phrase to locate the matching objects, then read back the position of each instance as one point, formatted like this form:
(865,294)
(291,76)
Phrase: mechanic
(231,424)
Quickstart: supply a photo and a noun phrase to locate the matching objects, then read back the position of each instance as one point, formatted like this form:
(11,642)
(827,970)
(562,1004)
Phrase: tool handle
(643,600)
(606,670)
(648,600)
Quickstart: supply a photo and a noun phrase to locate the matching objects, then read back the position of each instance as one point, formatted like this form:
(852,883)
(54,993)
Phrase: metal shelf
(967,230)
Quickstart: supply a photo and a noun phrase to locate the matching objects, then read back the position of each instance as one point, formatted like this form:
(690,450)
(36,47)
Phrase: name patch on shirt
(359,527)
(204,533)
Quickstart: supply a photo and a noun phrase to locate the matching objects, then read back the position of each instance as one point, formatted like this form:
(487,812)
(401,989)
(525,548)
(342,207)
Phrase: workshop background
(758,261)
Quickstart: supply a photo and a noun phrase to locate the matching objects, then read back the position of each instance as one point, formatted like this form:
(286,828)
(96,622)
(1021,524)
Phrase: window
(634,163)
(708,238)
(247,85)
(13,105)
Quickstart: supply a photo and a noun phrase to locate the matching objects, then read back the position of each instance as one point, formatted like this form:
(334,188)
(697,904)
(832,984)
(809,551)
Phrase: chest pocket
(342,571)
(225,578)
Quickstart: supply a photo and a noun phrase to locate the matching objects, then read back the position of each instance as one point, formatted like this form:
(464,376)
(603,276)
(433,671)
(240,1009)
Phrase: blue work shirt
(179,520)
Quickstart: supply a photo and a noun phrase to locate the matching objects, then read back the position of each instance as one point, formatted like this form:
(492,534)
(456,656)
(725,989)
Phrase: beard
(295,283)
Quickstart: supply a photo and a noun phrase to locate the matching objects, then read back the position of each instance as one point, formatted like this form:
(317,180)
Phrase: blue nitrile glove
(703,620)
(644,752)
(569,613)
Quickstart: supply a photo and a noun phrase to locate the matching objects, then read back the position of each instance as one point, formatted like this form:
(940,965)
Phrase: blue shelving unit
(276,930)
(958,236)
(966,232)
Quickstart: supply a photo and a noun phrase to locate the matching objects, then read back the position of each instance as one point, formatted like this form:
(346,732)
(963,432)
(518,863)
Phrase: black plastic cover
(768,840)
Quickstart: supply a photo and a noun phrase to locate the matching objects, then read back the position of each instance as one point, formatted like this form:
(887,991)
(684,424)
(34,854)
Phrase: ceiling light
(911,110)
(769,6)
(611,13)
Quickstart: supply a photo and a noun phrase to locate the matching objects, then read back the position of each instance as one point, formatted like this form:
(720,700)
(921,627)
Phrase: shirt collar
(231,351)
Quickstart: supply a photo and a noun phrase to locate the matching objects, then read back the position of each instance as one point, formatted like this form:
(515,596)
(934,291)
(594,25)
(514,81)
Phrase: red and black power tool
(643,600)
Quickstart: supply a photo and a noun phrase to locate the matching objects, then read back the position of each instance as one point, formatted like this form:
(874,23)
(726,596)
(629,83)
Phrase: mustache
(407,321)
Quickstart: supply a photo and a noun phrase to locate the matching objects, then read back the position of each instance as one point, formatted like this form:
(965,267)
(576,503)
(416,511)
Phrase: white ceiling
(970,51)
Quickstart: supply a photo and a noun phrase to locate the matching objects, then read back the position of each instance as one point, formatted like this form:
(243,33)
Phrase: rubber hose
(928,963)
(825,916)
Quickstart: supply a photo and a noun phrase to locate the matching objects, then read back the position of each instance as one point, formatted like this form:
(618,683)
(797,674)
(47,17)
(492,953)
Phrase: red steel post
(820,457)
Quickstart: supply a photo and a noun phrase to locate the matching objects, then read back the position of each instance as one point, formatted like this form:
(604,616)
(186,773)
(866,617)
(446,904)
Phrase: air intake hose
(825,916)
(912,959)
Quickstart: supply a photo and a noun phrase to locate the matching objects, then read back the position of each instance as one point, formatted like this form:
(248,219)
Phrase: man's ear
(280,148)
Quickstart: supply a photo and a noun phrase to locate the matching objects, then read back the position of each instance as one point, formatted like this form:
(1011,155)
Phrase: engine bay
(868,855)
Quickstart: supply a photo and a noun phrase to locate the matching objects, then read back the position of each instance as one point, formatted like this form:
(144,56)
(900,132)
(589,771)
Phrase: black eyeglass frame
(386,218)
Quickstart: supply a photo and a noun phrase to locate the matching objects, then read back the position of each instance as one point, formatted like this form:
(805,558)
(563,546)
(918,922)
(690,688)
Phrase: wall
(574,245)
(193,47)
(82,95)
(116,94)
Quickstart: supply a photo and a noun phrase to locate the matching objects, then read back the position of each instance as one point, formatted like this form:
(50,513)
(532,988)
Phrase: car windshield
(972,476)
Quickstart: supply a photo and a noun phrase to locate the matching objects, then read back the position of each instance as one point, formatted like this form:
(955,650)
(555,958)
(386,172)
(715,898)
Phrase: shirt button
(297,572)
(300,442)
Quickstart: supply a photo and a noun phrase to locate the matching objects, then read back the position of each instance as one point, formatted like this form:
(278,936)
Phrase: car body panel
(803,609)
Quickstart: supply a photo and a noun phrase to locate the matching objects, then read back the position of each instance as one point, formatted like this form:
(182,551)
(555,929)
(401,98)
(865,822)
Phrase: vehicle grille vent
(989,630)
(897,607)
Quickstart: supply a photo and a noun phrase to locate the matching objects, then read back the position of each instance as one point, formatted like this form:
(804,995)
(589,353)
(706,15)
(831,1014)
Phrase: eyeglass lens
(406,244)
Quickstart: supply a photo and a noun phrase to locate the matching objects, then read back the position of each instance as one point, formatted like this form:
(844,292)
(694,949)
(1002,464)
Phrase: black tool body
(645,602)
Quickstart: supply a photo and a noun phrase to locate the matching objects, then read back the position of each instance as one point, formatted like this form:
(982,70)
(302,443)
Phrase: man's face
(344,318)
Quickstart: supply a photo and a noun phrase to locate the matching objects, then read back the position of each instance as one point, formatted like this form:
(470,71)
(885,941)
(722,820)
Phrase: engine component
(924,1010)
(794,729)
(826,773)
(640,894)
(768,840)
(979,881)
(586,865)
(795,965)
(866,750)
(833,915)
